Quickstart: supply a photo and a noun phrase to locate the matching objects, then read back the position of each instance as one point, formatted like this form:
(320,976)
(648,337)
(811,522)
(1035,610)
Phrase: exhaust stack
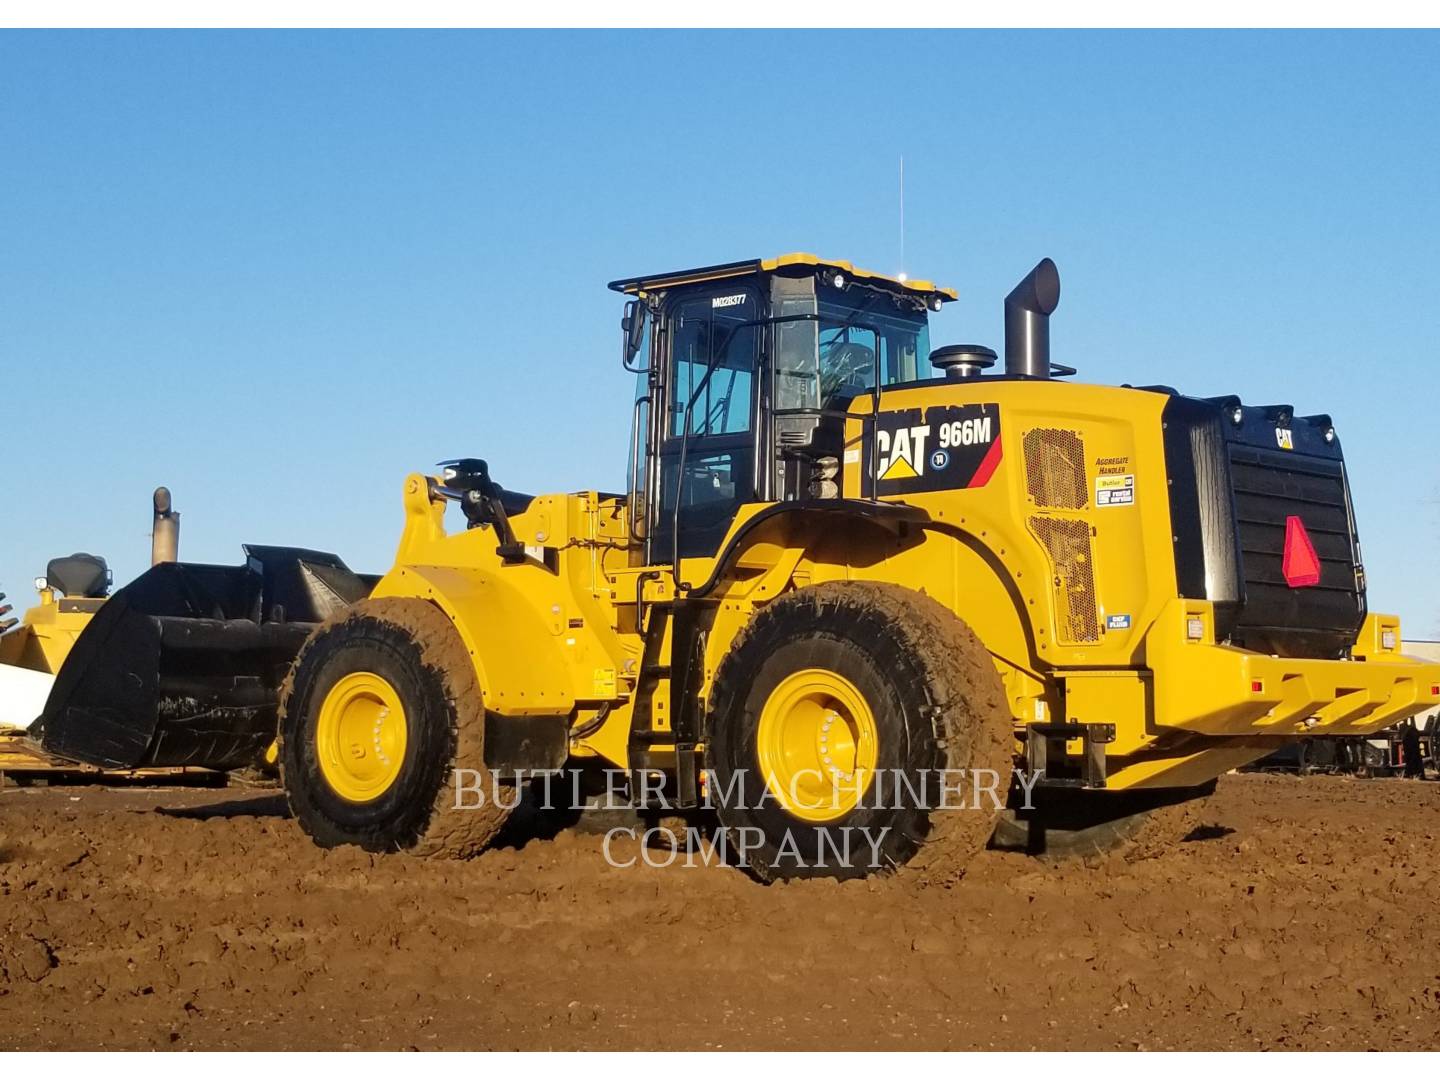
(1027,322)
(165,532)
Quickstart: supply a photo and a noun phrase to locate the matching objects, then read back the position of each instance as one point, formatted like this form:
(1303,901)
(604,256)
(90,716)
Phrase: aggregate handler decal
(935,449)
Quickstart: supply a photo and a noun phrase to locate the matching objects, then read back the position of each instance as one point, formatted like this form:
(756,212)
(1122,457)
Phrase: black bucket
(183,666)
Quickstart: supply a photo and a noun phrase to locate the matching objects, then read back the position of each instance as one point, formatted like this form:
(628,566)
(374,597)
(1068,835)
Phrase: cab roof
(656,282)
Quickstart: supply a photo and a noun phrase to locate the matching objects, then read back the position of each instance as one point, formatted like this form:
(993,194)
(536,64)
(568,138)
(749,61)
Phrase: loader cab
(744,375)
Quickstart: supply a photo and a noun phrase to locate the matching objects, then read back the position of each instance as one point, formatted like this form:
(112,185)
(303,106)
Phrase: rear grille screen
(1067,542)
(1055,469)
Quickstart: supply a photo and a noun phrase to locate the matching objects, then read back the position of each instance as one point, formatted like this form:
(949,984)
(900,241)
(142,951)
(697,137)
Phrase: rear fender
(798,543)
(894,543)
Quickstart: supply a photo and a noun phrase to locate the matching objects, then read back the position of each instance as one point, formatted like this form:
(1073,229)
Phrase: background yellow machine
(32,651)
(179,670)
(854,584)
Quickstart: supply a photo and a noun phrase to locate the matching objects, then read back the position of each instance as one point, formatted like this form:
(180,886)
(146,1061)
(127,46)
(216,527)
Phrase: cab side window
(702,336)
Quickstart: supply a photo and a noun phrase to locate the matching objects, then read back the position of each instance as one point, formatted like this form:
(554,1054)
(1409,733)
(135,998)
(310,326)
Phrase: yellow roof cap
(795,258)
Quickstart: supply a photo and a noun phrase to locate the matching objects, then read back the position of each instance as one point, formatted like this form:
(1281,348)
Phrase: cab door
(707,445)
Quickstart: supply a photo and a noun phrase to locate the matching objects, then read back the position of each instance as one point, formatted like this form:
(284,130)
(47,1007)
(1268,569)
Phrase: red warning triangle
(1301,566)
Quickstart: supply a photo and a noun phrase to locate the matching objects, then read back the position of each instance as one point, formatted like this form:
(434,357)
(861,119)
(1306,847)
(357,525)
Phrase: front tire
(837,716)
(380,709)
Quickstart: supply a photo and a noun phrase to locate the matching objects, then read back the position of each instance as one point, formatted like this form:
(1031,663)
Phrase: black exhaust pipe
(1027,322)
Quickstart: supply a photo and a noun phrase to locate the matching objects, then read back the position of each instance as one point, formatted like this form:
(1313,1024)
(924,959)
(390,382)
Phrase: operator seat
(79,575)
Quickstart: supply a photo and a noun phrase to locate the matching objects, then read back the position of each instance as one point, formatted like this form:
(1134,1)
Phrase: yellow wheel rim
(360,736)
(817,743)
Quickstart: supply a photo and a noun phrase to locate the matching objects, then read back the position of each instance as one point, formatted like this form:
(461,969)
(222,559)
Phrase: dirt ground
(1302,915)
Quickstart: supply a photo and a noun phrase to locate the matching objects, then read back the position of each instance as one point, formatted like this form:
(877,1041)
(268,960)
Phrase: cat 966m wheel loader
(846,563)
(851,574)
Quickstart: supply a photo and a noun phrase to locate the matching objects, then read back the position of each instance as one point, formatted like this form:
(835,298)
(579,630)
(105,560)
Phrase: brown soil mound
(1299,915)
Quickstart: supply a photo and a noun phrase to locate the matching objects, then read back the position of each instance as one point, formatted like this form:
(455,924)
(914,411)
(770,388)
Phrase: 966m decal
(934,449)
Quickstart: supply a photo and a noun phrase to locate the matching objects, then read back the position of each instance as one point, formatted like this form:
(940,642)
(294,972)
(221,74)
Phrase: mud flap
(525,744)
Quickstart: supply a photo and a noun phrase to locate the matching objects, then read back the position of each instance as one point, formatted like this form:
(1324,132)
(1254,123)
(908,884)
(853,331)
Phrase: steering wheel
(849,364)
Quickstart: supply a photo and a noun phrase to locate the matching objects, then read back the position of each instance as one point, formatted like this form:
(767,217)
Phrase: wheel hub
(360,736)
(817,744)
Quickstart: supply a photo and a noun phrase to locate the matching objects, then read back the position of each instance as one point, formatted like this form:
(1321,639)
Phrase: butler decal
(935,449)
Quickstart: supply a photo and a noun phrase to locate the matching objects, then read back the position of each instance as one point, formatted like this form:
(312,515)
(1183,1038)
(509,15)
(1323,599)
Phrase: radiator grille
(1055,468)
(1236,478)
(1269,488)
(1067,542)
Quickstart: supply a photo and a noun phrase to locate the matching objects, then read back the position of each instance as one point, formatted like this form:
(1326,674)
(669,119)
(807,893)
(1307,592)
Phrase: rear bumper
(1208,689)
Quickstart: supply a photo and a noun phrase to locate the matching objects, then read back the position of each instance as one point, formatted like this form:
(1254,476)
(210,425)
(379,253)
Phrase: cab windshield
(831,344)
(862,331)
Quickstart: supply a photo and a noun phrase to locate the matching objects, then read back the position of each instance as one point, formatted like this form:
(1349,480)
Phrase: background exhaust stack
(1027,321)
(165,535)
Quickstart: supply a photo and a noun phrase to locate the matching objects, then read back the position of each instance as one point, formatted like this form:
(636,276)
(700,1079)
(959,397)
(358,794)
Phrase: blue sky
(278,271)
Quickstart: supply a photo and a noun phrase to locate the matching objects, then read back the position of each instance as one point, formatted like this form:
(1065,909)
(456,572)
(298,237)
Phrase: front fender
(516,653)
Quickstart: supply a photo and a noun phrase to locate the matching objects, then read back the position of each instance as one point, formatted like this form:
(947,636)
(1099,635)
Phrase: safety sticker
(1115,490)
(1117,622)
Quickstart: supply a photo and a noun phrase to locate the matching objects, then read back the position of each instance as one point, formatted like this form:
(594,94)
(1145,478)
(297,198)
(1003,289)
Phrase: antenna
(902,217)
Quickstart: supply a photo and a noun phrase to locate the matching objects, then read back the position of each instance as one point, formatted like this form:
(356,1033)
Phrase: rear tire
(911,691)
(408,658)
(1077,825)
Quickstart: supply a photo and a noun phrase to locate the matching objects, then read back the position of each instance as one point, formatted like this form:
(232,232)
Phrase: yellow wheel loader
(871,602)
(849,565)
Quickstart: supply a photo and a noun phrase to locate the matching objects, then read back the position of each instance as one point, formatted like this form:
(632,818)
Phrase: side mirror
(633,323)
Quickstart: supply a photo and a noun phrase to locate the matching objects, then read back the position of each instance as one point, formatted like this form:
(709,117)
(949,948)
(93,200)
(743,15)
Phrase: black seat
(79,575)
